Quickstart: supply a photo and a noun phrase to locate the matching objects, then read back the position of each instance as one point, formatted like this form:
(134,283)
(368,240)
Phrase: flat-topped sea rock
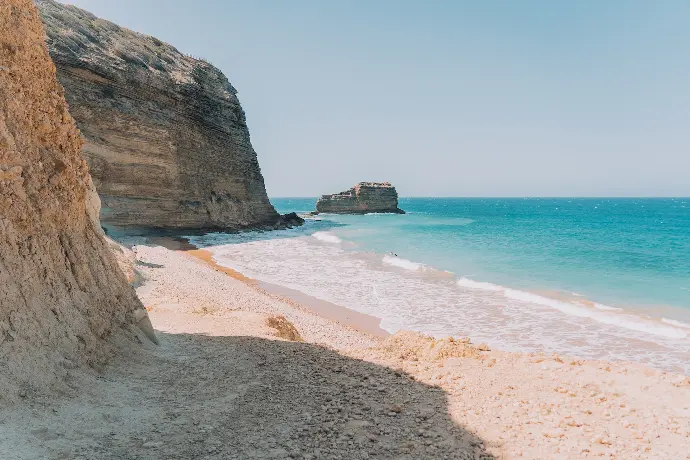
(363,198)
(167,141)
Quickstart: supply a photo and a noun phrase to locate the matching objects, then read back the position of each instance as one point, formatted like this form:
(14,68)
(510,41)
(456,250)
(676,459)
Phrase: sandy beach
(223,384)
(498,270)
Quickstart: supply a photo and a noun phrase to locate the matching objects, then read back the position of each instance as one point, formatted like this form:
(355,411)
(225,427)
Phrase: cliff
(61,291)
(363,198)
(166,138)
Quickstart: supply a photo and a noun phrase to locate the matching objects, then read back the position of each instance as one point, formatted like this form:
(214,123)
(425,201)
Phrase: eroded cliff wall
(166,138)
(62,294)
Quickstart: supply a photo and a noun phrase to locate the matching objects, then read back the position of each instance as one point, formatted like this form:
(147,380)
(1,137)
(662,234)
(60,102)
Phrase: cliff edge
(166,138)
(363,198)
(61,291)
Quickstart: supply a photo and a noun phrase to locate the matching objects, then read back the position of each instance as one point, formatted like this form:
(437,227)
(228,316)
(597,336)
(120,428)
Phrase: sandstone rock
(167,141)
(414,346)
(284,328)
(61,291)
(126,260)
(363,198)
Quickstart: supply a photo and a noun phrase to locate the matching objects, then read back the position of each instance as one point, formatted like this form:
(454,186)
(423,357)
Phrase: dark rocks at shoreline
(292,220)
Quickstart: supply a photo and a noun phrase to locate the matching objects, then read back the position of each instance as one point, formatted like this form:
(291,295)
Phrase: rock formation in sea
(64,302)
(167,141)
(363,198)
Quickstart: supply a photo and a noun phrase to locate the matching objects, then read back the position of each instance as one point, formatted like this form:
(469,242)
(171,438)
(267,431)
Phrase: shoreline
(370,324)
(367,324)
(222,359)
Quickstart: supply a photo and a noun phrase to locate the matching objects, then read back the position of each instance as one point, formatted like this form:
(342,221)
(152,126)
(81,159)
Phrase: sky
(448,98)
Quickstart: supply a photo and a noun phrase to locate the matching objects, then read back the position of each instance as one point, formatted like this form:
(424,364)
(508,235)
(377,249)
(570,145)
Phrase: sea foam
(402,263)
(510,319)
(627,321)
(676,323)
(600,313)
(327,237)
(601,306)
(468,283)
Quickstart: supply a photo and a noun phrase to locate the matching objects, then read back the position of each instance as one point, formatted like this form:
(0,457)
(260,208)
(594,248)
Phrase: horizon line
(522,197)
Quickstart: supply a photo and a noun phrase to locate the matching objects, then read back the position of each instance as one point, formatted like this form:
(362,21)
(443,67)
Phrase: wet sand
(362,322)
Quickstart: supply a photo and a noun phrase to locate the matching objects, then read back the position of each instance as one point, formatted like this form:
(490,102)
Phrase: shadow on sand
(235,397)
(249,398)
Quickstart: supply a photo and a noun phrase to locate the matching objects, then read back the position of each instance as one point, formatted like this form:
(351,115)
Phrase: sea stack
(167,141)
(63,298)
(363,198)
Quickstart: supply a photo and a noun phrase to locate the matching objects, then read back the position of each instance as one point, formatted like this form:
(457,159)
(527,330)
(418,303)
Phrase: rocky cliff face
(362,198)
(61,292)
(166,138)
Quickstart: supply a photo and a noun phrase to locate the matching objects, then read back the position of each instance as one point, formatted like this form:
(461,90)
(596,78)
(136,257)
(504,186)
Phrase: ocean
(597,278)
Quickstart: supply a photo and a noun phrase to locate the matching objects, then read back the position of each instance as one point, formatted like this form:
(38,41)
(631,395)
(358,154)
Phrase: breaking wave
(676,323)
(327,237)
(399,262)
(600,312)
(409,295)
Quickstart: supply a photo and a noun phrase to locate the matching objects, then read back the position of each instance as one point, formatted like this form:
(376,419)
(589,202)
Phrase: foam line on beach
(676,323)
(408,294)
(327,237)
(601,313)
(400,262)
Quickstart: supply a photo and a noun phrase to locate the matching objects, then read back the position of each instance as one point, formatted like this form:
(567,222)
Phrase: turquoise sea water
(597,278)
(626,252)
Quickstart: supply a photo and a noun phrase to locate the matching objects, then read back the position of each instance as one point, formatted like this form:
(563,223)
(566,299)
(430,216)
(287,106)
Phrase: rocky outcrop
(166,138)
(62,295)
(363,198)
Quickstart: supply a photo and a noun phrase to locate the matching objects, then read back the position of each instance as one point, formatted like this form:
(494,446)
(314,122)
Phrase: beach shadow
(244,397)
(237,397)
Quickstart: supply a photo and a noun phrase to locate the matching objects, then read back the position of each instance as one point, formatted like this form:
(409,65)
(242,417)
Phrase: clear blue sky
(448,98)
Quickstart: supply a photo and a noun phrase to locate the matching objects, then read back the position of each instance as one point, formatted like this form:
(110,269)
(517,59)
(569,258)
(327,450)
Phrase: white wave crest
(402,263)
(601,306)
(327,237)
(468,283)
(676,323)
(626,321)
(600,313)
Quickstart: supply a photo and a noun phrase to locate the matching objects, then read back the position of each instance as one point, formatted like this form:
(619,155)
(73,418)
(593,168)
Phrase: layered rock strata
(363,198)
(166,138)
(62,294)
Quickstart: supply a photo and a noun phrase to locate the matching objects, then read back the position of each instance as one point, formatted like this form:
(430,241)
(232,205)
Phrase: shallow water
(595,278)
